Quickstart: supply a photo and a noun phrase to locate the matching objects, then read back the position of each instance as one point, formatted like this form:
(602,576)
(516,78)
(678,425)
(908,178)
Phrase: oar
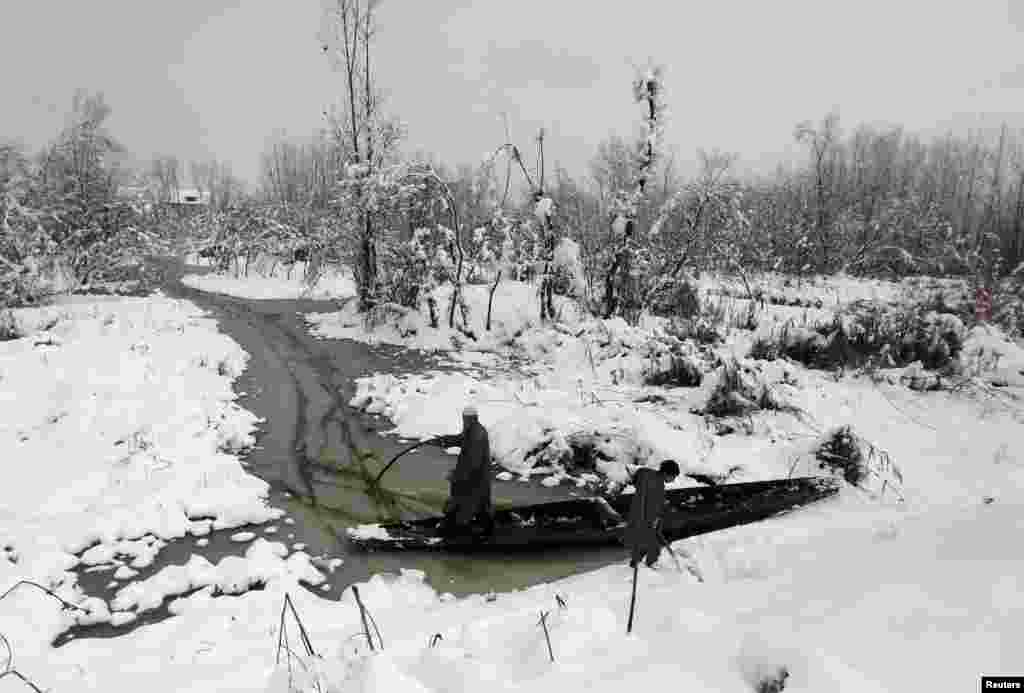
(664,542)
(675,557)
(376,481)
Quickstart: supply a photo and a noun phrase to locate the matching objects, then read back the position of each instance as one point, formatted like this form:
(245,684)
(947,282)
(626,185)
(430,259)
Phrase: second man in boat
(643,535)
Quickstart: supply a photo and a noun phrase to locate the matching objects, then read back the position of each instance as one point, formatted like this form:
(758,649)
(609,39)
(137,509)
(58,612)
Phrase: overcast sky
(214,78)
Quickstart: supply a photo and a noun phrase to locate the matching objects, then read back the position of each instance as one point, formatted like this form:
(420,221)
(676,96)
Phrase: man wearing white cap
(470,499)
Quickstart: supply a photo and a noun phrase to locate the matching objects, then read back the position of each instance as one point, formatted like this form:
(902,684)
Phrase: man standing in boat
(470,501)
(643,533)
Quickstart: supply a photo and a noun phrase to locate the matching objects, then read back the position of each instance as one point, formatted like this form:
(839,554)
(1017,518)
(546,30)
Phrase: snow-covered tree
(622,278)
(362,131)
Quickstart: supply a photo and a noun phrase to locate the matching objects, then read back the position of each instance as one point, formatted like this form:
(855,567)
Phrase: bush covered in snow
(842,452)
(739,388)
(677,370)
(1008,303)
(886,334)
(9,326)
(676,299)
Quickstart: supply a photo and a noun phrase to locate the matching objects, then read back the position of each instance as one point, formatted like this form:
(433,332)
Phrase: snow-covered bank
(278,282)
(515,308)
(838,597)
(120,434)
(586,398)
(516,311)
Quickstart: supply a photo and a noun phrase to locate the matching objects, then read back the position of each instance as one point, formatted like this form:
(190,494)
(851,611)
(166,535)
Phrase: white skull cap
(469,411)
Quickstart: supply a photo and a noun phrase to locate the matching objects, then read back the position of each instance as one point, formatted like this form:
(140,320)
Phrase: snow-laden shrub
(1008,303)
(679,299)
(957,297)
(774,682)
(741,388)
(844,453)
(866,332)
(582,451)
(675,370)
(569,276)
(9,326)
(706,328)
(841,452)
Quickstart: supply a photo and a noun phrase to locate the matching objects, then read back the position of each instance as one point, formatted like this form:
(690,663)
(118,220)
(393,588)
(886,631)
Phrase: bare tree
(166,172)
(349,29)
(821,142)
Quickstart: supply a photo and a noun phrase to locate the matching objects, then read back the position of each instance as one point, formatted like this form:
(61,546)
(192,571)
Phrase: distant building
(191,197)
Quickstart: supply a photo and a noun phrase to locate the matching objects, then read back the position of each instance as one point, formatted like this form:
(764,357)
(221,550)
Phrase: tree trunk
(432,309)
(457,287)
(490,300)
(611,302)
(1018,223)
(368,266)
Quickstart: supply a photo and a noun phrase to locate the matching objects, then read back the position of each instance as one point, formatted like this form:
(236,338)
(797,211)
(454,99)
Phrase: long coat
(647,506)
(471,478)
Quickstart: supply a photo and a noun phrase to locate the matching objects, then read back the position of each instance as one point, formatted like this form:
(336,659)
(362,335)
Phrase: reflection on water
(346,497)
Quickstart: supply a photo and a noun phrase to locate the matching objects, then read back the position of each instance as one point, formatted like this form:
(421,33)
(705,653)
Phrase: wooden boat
(597,521)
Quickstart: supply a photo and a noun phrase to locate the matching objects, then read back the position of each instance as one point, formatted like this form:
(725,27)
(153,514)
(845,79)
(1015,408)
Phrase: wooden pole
(362,615)
(636,538)
(547,636)
(632,600)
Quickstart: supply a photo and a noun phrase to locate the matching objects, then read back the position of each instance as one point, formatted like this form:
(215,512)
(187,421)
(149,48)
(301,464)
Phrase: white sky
(214,77)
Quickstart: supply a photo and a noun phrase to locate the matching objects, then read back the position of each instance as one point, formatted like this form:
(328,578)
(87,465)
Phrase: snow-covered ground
(514,309)
(909,581)
(120,434)
(859,593)
(538,387)
(273,281)
(908,604)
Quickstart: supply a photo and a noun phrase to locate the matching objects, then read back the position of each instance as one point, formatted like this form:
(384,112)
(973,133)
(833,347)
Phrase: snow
(516,307)
(826,594)
(123,430)
(543,209)
(859,593)
(567,258)
(278,284)
(559,400)
(929,607)
(374,531)
(125,573)
(264,561)
(988,353)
